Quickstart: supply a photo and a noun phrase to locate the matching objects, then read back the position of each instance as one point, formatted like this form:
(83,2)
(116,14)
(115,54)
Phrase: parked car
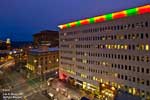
(44,92)
(49,81)
(49,95)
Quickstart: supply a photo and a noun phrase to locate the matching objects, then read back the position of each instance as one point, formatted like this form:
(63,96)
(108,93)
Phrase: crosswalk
(32,90)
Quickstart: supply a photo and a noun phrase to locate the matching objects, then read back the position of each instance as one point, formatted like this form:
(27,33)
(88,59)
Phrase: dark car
(49,95)
(44,92)
(84,98)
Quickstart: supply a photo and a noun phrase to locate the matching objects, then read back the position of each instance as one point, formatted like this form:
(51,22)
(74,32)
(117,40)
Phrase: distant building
(8,43)
(5,45)
(20,57)
(47,36)
(21,44)
(42,60)
(108,52)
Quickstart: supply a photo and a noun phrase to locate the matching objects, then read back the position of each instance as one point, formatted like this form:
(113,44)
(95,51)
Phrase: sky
(20,19)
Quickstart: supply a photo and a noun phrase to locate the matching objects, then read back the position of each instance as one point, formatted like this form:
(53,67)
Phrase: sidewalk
(73,92)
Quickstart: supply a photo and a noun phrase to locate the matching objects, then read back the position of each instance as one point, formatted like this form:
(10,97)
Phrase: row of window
(119,76)
(66,51)
(129,26)
(131,68)
(143,93)
(112,65)
(141,47)
(45,57)
(145,58)
(121,67)
(118,27)
(134,79)
(122,57)
(109,37)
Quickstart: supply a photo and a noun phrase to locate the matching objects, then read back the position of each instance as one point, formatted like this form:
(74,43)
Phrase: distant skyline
(20,19)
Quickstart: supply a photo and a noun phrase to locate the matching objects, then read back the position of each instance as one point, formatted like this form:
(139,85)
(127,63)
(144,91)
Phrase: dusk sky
(19,19)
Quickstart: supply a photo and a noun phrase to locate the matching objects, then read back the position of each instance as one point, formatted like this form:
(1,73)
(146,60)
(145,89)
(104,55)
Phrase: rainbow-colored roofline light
(111,16)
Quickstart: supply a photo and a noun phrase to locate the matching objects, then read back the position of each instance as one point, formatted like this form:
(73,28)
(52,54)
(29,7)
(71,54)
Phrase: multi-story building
(108,53)
(43,61)
(46,36)
(5,45)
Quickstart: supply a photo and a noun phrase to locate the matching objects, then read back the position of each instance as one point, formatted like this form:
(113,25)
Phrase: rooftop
(43,51)
(116,15)
(46,32)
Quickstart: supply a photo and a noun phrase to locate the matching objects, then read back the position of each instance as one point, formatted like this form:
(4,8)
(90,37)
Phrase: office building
(107,53)
(47,36)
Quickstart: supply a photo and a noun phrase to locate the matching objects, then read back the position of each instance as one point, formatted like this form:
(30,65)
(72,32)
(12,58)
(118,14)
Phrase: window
(142,70)
(121,76)
(147,71)
(141,35)
(129,67)
(138,69)
(147,82)
(126,77)
(146,35)
(147,47)
(125,67)
(133,25)
(133,79)
(134,69)
(146,24)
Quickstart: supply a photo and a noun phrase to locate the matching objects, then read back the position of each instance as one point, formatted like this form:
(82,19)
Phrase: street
(31,89)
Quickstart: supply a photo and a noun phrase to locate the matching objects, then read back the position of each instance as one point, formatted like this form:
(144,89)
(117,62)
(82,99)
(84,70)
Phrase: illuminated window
(84,61)
(115,46)
(109,47)
(142,47)
(125,47)
(147,59)
(118,46)
(121,46)
(147,47)
(121,37)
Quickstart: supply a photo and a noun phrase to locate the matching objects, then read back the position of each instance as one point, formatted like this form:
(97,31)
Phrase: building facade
(46,36)
(42,61)
(108,53)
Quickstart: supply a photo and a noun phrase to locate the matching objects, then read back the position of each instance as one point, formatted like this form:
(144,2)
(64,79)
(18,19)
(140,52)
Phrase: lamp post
(41,72)
(42,77)
(39,66)
(35,65)
(35,61)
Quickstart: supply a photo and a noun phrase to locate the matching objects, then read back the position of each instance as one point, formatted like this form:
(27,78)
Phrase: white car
(49,81)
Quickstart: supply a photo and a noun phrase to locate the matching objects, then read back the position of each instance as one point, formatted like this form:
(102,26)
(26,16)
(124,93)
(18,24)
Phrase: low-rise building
(42,61)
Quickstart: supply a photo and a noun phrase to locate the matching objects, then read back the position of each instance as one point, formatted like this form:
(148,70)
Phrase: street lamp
(35,61)
(15,52)
(21,50)
(10,53)
(56,72)
(57,60)
(41,72)
(39,66)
